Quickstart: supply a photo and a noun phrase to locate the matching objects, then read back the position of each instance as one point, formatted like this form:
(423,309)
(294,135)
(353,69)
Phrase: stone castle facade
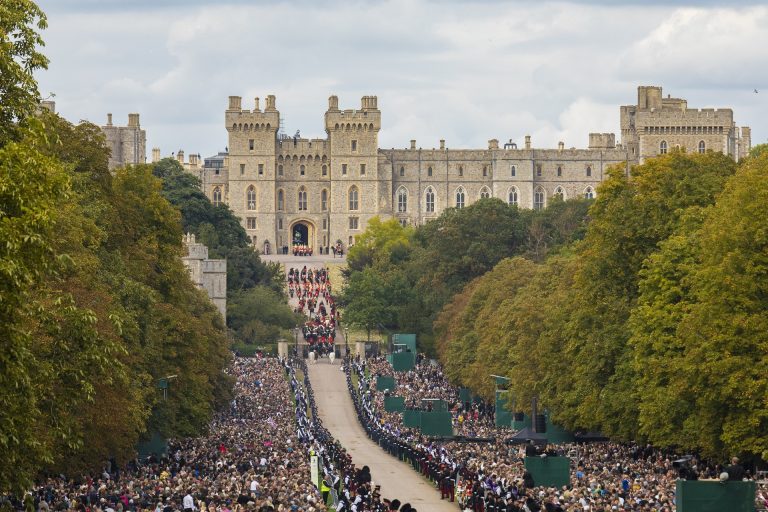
(207,274)
(317,191)
(127,144)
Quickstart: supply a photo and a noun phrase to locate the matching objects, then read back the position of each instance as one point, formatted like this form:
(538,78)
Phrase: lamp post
(346,338)
(163,384)
(296,337)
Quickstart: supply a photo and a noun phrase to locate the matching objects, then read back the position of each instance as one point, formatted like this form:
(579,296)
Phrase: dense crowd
(311,288)
(427,383)
(489,475)
(256,457)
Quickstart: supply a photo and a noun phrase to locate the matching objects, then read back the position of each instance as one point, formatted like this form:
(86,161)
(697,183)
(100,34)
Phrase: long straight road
(396,478)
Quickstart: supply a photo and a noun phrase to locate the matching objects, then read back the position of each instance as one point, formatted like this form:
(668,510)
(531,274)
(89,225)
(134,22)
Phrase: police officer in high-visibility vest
(325,489)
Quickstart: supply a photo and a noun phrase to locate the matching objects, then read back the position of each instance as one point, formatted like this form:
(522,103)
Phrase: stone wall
(127,144)
(207,274)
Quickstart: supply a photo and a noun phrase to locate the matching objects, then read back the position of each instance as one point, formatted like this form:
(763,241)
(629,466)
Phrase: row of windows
(683,130)
(512,170)
(663,147)
(302,170)
(353,198)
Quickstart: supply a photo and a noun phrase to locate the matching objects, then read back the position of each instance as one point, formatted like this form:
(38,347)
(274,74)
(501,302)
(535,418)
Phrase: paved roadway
(396,478)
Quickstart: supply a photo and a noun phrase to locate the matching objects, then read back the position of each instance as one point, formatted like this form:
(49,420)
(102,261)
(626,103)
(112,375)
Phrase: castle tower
(252,165)
(353,137)
(127,144)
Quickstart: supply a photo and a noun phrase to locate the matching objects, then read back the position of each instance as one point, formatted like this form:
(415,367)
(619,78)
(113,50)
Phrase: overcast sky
(462,71)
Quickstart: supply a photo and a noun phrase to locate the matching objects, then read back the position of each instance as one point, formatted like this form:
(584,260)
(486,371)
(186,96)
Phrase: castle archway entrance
(303,233)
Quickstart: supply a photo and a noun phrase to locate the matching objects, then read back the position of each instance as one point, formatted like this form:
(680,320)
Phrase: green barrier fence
(549,471)
(383,382)
(521,424)
(409,340)
(403,361)
(394,403)
(412,418)
(715,496)
(557,435)
(156,444)
(436,424)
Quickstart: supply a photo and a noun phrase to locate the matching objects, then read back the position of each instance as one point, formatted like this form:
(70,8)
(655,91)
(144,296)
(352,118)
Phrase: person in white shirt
(189,502)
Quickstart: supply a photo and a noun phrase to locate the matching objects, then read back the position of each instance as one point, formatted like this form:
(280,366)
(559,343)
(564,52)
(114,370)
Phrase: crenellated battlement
(367,118)
(239,119)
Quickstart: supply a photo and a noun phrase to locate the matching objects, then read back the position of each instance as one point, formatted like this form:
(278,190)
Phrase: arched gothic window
(402,200)
(324,200)
(485,193)
(216,196)
(402,171)
(302,199)
(589,193)
(538,198)
(560,193)
(663,147)
(429,171)
(513,171)
(280,200)
(325,170)
(354,197)
(250,198)
(559,170)
(460,198)
(429,200)
(280,170)
(302,170)
(589,171)
(702,147)
(512,197)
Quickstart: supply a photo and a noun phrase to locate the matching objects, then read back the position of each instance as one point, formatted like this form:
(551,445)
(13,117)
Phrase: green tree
(20,21)
(259,316)
(31,187)
(370,300)
(381,240)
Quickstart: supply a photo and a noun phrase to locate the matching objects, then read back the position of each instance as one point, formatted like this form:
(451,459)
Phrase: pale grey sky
(463,71)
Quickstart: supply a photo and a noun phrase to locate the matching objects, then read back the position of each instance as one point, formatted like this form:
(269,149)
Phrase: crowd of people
(255,457)
(487,473)
(426,383)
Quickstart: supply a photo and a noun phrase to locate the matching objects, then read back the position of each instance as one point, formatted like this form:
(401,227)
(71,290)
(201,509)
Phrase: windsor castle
(291,190)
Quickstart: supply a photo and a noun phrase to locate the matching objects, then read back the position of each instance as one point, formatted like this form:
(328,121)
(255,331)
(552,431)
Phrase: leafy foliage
(20,21)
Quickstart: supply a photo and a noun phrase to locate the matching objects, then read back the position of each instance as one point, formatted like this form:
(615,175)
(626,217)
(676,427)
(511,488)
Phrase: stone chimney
(413,143)
(560,146)
(270,104)
(527,142)
(235,103)
(193,160)
(256,108)
(180,156)
(493,144)
(442,143)
(333,103)
(109,119)
(155,155)
(133,120)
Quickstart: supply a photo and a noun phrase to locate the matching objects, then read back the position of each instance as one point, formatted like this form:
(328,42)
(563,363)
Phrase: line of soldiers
(351,486)
(302,250)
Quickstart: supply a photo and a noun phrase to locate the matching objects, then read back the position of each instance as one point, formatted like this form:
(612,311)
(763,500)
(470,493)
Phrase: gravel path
(397,479)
